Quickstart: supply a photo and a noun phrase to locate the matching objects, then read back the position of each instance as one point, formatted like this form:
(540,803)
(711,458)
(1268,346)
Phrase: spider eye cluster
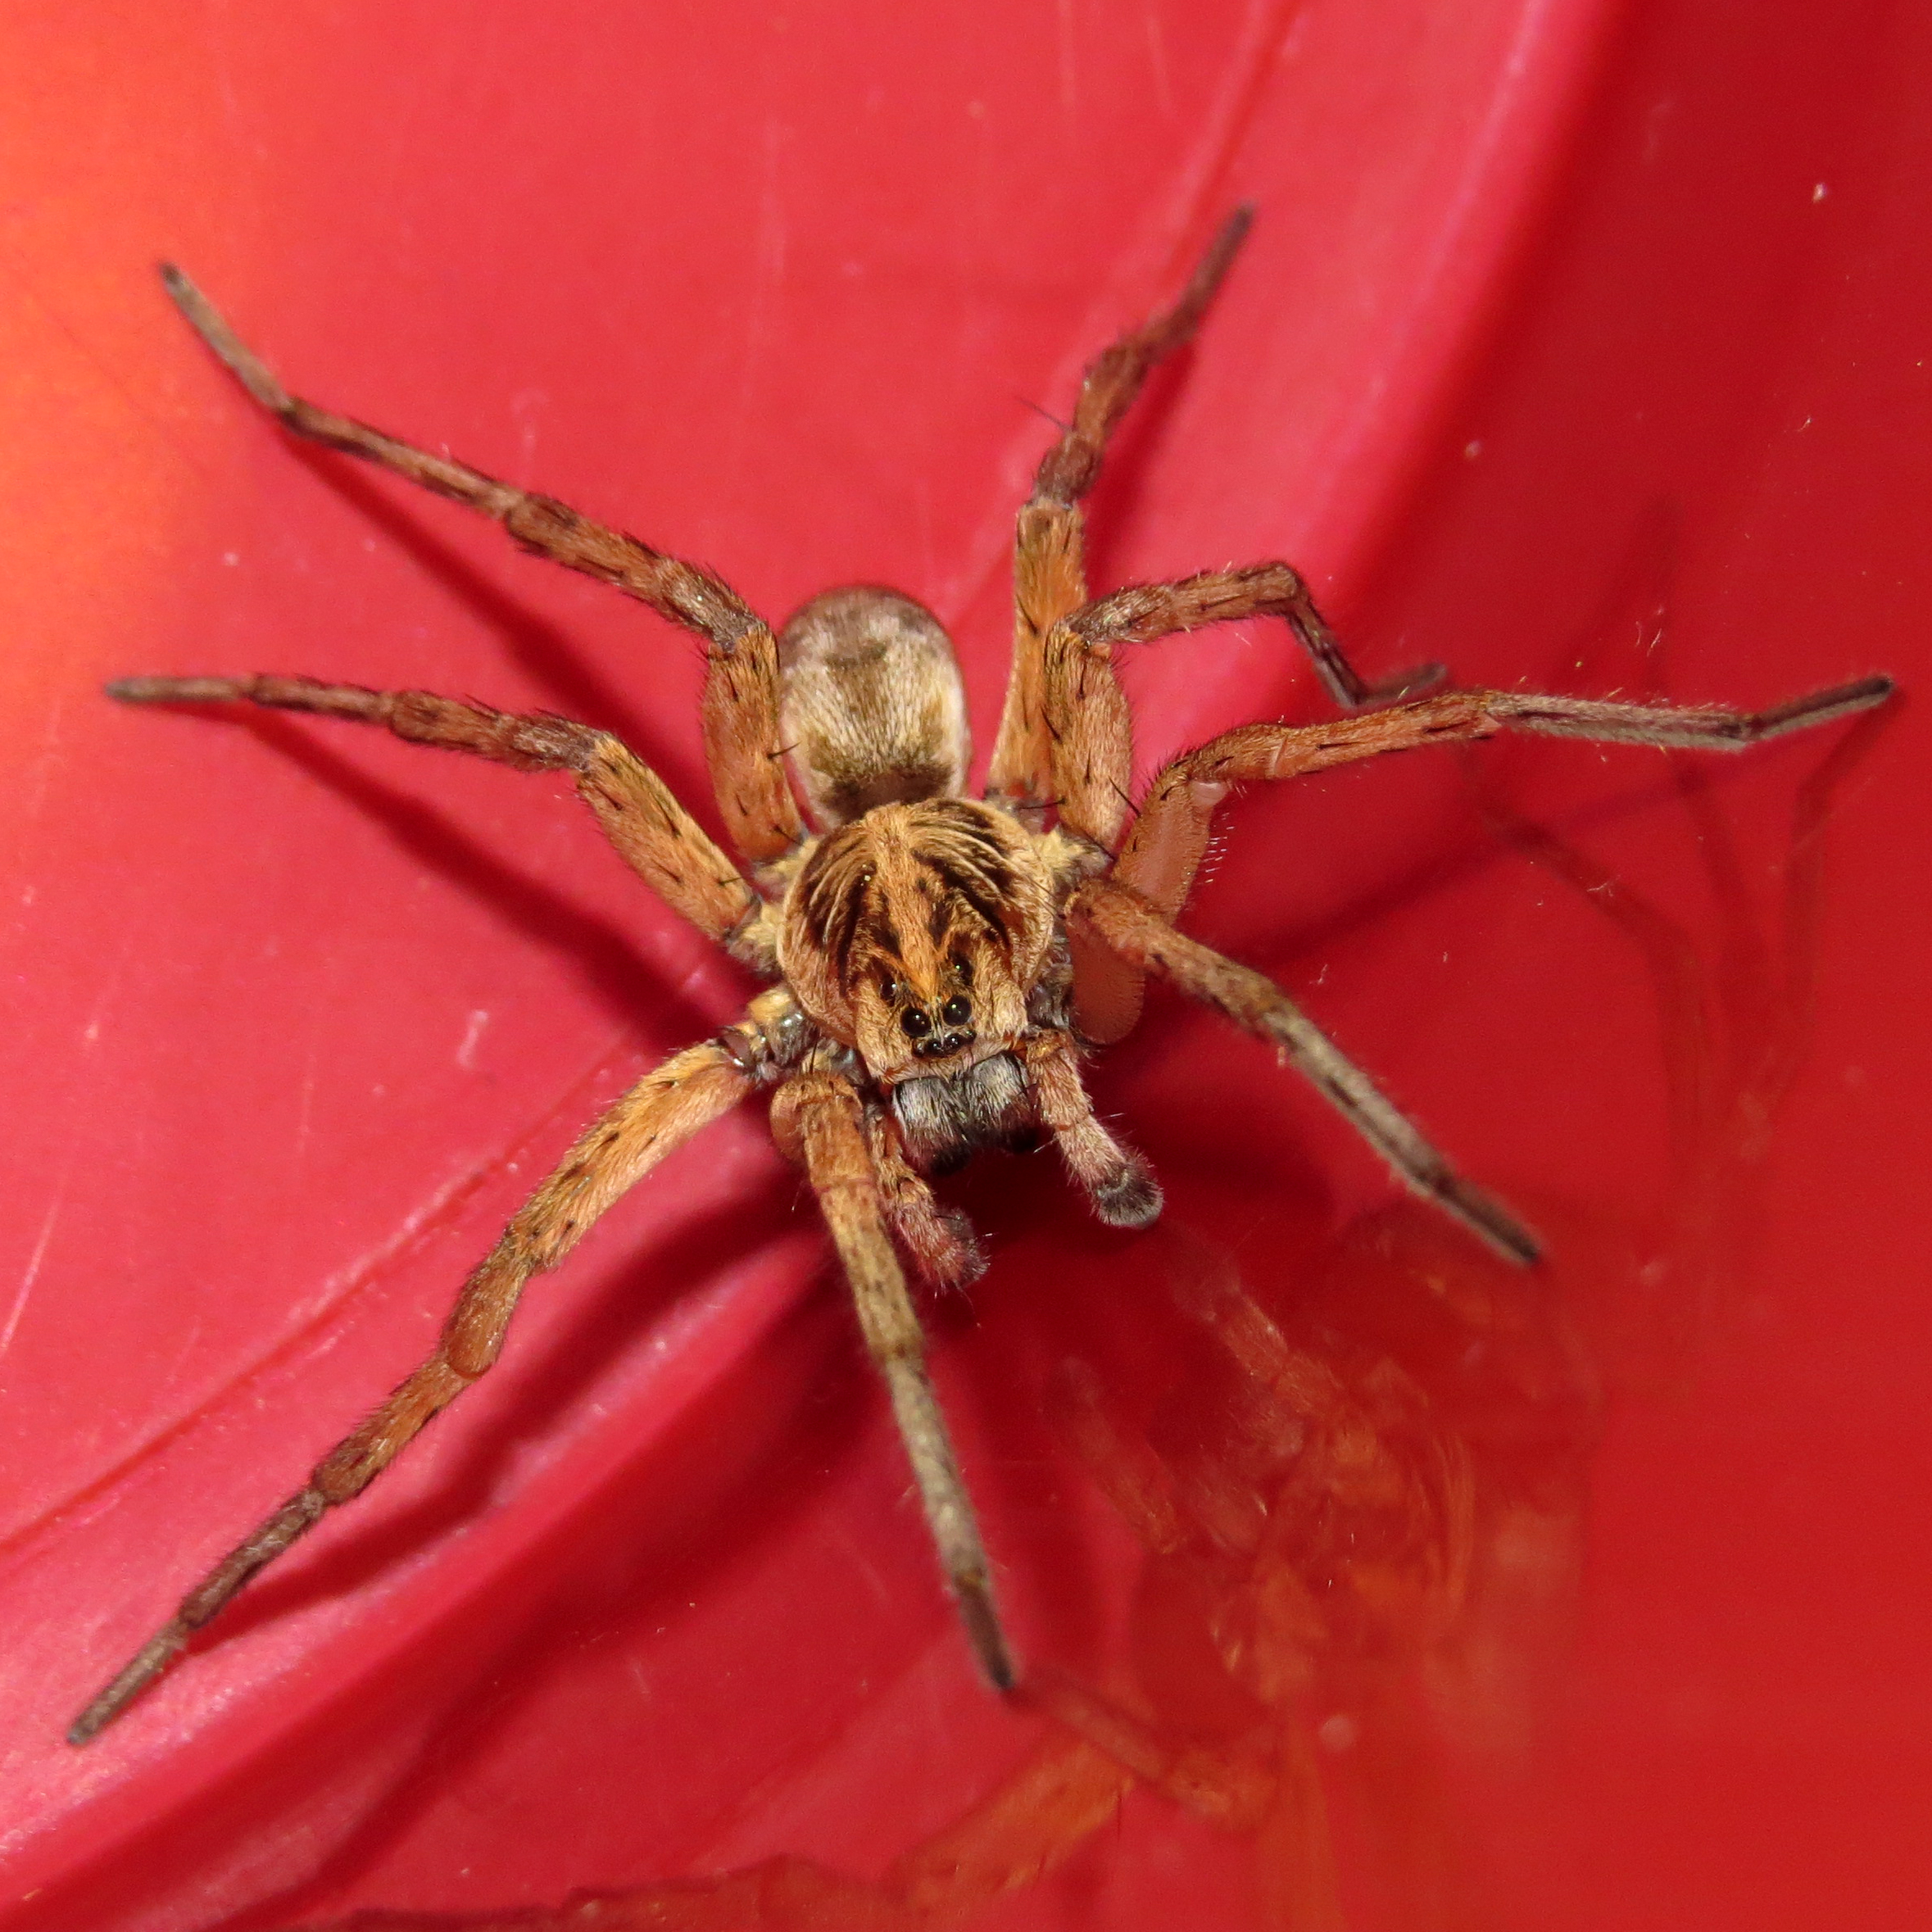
(934,1032)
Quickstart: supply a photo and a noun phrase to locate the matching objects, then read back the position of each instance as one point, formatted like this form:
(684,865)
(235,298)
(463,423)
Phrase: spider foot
(1130,1198)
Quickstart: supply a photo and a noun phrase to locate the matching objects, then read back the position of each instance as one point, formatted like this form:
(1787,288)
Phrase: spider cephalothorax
(916,933)
(938,963)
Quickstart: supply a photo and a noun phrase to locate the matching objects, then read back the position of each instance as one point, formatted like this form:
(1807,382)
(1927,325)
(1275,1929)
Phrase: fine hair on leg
(743,746)
(1049,551)
(661,1111)
(1128,926)
(1160,855)
(662,843)
(821,1115)
(1162,852)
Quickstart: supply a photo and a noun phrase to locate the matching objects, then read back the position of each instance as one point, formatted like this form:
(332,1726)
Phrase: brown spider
(936,962)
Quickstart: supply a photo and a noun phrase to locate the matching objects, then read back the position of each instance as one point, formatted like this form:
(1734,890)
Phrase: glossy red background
(1557,317)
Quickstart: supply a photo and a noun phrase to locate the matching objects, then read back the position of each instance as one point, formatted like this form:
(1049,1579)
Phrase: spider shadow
(540,647)
(602,952)
(1230,914)
(1625,639)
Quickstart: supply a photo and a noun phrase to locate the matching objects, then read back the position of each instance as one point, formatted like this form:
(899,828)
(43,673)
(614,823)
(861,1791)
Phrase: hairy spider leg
(1169,837)
(1115,1179)
(1164,846)
(822,1114)
(940,1240)
(1129,912)
(659,1113)
(1129,927)
(1091,746)
(743,747)
(1049,559)
(653,833)
(1092,762)
(1049,571)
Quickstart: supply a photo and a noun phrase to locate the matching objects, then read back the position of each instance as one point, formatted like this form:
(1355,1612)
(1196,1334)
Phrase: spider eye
(962,967)
(915,1022)
(889,990)
(957,1010)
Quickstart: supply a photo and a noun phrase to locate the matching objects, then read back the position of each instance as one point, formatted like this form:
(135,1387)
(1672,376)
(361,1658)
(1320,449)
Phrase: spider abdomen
(873,708)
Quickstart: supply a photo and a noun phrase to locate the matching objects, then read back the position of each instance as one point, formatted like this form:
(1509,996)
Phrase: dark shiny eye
(889,990)
(957,1010)
(962,967)
(917,1025)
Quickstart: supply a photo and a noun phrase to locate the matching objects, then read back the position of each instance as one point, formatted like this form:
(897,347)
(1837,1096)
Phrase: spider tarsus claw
(147,1663)
(211,326)
(987,1639)
(1820,707)
(1488,1219)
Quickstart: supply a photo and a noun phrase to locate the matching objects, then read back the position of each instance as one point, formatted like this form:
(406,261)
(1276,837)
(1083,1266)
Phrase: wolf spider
(937,963)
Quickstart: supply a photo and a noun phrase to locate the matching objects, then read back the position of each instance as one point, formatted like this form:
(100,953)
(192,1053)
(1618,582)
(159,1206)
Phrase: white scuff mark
(1338,1733)
(90,1038)
(183,1351)
(34,1261)
(527,410)
(701,974)
(466,1053)
(305,1112)
(1819,191)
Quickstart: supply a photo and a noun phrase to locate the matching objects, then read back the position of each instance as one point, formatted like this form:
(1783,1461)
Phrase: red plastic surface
(1562,326)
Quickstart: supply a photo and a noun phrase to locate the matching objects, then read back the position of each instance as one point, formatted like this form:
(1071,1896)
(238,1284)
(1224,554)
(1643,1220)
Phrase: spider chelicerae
(936,964)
